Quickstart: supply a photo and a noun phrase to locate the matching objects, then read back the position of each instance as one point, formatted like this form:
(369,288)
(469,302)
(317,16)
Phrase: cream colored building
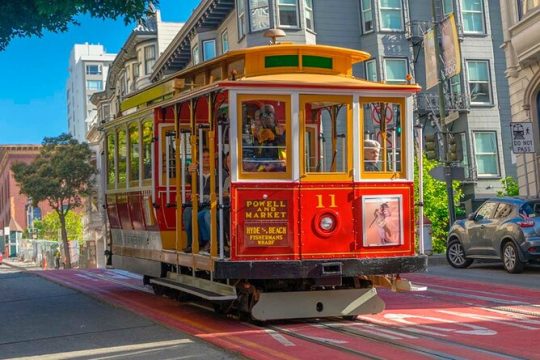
(521,24)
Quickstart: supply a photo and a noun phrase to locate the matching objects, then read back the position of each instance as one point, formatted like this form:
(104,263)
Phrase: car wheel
(510,258)
(456,255)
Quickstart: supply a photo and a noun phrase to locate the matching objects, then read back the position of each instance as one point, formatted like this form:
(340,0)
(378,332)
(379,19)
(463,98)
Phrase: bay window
(486,155)
(472,12)
(391,15)
(479,82)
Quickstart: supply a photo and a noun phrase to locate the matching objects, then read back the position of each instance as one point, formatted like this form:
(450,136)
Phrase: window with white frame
(448,6)
(395,71)
(486,154)
(149,59)
(259,15)
(209,49)
(371,70)
(93,69)
(308,14)
(391,15)
(94,84)
(241,15)
(465,162)
(195,55)
(224,42)
(479,82)
(288,13)
(472,13)
(367,16)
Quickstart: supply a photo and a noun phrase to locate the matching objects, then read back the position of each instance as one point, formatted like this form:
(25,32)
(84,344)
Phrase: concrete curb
(22,265)
(437,260)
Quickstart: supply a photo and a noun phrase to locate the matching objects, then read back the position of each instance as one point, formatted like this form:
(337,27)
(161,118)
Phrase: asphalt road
(43,320)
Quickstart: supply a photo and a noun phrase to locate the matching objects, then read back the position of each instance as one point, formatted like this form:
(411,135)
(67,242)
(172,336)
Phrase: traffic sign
(522,138)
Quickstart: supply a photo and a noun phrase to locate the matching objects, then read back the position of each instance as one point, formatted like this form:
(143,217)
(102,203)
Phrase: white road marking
(280,338)
(437,329)
(158,345)
(497,320)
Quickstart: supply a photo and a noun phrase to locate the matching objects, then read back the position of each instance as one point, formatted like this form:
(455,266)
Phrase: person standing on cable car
(203,216)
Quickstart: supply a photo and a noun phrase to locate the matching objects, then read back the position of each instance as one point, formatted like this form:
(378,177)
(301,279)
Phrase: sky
(34,73)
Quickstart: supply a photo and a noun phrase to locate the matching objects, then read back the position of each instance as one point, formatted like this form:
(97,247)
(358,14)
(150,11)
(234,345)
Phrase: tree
(436,204)
(62,174)
(26,18)
(48,227)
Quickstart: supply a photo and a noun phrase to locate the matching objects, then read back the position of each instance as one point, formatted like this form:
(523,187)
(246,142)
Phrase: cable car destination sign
(522,138)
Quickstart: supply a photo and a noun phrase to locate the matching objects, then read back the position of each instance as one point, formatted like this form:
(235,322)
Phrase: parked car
(1,258)
(502,228)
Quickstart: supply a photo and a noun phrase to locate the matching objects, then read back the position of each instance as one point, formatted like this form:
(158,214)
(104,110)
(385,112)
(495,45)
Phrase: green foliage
(26,18)
(61,174)
(436,203)
(49,227)
(510,187)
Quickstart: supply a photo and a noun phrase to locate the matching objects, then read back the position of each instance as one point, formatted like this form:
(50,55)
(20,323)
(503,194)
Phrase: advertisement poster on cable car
(381,221)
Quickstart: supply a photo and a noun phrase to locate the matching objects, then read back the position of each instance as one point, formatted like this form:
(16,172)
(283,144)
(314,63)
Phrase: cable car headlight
(327,222)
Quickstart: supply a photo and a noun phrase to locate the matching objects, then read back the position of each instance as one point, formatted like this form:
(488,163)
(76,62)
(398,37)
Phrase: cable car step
(202,288)
(315,304)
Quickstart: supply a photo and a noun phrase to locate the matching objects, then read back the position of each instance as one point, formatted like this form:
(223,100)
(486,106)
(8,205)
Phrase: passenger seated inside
(372,149)
(268,142)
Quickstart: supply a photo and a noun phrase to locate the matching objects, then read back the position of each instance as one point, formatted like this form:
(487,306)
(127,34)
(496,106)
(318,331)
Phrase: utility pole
(442,114)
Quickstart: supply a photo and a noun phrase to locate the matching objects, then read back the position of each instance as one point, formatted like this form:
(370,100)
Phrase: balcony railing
(427,102)
(415,29)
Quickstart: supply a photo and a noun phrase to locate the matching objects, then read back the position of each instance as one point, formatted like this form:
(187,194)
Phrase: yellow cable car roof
(317,81)
(354,55)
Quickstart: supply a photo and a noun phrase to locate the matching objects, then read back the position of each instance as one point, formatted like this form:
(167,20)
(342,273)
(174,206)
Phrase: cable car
(292,178)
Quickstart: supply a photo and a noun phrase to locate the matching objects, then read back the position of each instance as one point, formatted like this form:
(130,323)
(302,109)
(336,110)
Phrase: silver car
(502,228)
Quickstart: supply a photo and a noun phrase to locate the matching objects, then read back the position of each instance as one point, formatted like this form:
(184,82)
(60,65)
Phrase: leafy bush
(510,187)
(436,203)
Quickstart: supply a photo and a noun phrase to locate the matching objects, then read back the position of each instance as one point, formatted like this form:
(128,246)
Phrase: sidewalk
(26,265)
(437,260)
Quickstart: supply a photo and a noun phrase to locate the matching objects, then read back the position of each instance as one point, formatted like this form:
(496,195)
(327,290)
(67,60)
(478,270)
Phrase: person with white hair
(372,149)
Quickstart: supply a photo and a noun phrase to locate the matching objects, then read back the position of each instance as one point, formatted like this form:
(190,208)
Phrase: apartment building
(17,213)
(521,30)
(88,69)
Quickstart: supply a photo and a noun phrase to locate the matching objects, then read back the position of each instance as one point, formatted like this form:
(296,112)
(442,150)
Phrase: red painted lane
(406,346)
(229,334)
(468,313)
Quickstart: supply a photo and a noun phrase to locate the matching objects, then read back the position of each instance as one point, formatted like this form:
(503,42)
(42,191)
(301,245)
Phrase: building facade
(16,211)
(88,68)
(129,72)
(521,24)
(392,32)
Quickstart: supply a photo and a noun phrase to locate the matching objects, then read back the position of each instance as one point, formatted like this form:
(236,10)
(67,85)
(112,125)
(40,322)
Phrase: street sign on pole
(522,138)
(444,173)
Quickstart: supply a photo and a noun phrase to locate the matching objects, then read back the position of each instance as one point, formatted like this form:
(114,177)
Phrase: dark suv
(502,228)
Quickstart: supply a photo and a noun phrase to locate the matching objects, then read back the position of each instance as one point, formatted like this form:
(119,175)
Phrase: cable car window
(134,156)
(382,140)
(264,136)
(122,158)
(325,137)
(147,136)
(111,174)
(168,155)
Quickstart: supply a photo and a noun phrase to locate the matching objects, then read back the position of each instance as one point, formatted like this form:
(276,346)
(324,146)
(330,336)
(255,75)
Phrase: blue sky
(34,73)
